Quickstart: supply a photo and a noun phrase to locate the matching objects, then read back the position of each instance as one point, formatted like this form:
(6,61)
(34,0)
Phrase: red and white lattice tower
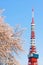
(33,56)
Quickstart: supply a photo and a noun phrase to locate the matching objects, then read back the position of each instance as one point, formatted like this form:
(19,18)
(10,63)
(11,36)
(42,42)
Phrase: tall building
(33,56)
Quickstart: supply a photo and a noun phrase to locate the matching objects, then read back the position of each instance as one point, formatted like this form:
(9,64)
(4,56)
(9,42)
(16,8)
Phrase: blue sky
(20,12)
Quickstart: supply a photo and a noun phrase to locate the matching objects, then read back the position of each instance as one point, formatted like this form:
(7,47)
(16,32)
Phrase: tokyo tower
(33,56)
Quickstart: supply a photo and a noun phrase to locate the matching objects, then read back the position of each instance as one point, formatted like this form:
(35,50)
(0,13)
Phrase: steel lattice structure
(33,56)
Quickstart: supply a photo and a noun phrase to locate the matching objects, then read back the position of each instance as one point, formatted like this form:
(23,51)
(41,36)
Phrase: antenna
(32,12)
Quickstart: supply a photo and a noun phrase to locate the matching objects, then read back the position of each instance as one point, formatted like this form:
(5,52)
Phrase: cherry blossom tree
(10,41)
